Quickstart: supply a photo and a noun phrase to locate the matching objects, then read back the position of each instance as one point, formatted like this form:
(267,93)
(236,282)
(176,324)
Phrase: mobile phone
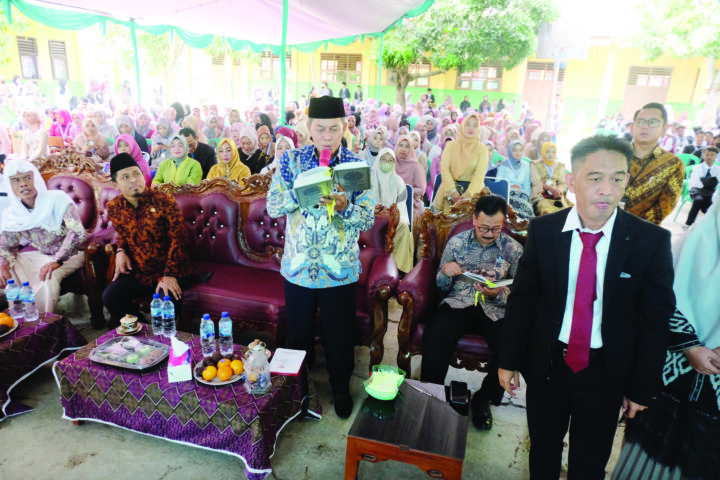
(458,392)
(91,143)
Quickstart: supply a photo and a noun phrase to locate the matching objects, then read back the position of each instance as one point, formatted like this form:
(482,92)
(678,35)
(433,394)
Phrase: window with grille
(340,67)
(270,63)
(422,67)
(28,52)
(650,76)
(487,77)
(218,60)
(543,71)
(58,59)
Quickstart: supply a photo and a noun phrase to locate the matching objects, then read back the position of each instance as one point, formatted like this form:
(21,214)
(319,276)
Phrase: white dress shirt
(700,171)
(572,223)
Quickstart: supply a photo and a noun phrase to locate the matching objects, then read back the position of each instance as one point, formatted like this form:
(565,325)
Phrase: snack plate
(12,329)
(118,350)
(124,332)
(215,382)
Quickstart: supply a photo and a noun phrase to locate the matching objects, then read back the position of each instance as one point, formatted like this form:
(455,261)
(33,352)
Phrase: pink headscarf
(136,153)
(409,168)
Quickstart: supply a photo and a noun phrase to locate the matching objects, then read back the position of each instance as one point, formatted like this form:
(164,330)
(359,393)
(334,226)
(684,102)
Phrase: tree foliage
(8,32)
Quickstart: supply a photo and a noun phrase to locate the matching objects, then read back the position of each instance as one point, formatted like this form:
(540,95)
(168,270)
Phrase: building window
(487,77)
(415,68)
(543,72)
(58,59)
(650,76)
(270,63)
(340,67)
(218,60)
(27,48)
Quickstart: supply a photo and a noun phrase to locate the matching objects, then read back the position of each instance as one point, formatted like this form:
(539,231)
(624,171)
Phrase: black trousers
(337,310)
(119,295)
(440,338)
(699,205)
(581,400)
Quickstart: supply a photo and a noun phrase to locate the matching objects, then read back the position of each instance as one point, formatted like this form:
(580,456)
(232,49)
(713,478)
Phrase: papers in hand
(287,362)
(319,182)
(475,277)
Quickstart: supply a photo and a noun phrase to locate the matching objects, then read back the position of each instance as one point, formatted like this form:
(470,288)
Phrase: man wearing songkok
(656,175)
(46,220)
(152,254)
(321,262)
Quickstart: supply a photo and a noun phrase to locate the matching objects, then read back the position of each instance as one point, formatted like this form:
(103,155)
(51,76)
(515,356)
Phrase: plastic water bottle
(168,318)
(12,292)
(207,336)
(28,300)
(226,335)
(156,314)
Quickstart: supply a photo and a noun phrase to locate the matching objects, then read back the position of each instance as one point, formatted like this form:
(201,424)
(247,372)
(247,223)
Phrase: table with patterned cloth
(29,347)
(227,418)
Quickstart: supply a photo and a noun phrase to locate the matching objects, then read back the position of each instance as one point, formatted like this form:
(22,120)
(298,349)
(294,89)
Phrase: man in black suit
(201,152)
(588,317)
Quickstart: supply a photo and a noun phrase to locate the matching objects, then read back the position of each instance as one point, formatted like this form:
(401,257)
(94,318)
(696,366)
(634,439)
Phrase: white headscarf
(389,188)
(49,209)
(697,275)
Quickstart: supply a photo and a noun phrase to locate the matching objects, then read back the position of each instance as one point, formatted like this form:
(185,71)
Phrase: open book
(476,277)
(318,182)
(352,176)
(287,362)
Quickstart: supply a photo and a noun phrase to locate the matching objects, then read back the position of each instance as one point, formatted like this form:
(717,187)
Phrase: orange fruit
(224,373)
(237,367)
(223,363)
(7,320)
(209,373)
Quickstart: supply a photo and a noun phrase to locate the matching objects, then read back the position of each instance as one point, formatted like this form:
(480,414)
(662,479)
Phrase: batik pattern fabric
(61,244)
(153,235)
(655,185)
(501,257)
(320,251)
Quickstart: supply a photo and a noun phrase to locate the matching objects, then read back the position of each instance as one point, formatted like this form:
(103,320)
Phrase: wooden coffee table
(418,428)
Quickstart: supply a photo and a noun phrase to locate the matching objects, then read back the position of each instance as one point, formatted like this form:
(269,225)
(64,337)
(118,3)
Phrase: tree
(684,29)
(8,32)
(464,34)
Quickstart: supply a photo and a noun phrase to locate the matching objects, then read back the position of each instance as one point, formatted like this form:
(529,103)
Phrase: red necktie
(578,353)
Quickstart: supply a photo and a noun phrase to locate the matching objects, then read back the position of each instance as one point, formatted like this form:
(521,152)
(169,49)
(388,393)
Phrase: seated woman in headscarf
(124,143)
(62,127)
(538,138)
(249,151)
(463,165)
(90,142)
(76,117)
(303,134)
(431,129)
(211,130)
(266,145)
(161,139)
(389,188)
(282,145)
(193,122)
(421,156)
(143,125)
(46,219)
(449,133)
(35,138)
(127,127)
(229,165)
(411,172)
(548,182)
(104,128)
(179,169)
(232,118)
(376,141)
(235,130)
(517,172)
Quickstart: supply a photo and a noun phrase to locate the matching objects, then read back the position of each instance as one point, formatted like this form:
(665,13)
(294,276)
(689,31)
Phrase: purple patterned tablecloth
(228,419)
(29,347)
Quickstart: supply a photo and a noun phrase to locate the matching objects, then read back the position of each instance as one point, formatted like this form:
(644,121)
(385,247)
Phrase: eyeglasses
(652,122)
(486,229)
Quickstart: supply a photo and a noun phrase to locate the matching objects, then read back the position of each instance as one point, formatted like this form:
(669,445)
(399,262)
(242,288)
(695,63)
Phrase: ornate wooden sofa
(418,294)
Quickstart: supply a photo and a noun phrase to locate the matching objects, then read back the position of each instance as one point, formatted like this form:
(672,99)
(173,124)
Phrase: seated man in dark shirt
(201,152)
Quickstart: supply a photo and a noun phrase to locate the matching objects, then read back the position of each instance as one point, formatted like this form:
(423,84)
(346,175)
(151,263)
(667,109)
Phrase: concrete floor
(40,444)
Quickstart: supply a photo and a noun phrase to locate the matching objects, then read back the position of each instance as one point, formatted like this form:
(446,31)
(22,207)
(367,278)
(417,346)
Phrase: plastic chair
(498,186)
(110,140)
(436,186)
(409,201)
(687,157)
(497,158)
(214,142)
(685,196)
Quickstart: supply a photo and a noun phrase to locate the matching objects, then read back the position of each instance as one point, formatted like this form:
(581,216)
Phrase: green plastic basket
(384,382)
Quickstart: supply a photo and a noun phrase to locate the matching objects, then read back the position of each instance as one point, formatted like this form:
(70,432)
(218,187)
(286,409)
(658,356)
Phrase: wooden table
(423,431)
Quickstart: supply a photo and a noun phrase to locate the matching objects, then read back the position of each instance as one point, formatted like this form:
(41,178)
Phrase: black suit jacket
(205,155)
(638,301)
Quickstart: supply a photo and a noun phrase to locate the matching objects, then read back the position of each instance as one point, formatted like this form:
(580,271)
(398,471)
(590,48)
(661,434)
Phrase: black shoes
(481,414)
(343,405)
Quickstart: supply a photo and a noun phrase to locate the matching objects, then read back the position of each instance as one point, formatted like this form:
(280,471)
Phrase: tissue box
(179,362)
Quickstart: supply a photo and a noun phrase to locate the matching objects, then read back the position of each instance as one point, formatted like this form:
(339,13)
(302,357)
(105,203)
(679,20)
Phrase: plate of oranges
(218,370)
(7,324)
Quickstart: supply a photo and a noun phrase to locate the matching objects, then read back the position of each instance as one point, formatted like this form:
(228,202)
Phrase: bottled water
(28,300)
(12,292)
(207,336)
(226,335)
(156,314)
(168,317)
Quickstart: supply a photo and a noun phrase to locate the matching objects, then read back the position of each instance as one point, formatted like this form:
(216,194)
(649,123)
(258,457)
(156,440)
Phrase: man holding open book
(321,262)
(472,269)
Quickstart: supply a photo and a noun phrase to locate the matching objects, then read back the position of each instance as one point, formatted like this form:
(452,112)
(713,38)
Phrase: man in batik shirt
(320,260)
(152,255)
(656,175)
(472,308)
